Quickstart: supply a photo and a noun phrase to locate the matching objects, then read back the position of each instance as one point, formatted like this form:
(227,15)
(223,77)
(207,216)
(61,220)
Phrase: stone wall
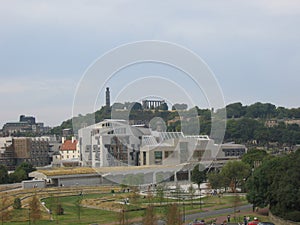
(279,221)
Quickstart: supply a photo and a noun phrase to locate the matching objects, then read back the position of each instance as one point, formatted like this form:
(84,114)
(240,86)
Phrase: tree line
(275,183)
(244,123)
(268,181)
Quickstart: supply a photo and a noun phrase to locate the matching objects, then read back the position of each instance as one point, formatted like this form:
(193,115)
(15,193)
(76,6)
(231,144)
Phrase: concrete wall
(33,184)
(80,181)
(279,221)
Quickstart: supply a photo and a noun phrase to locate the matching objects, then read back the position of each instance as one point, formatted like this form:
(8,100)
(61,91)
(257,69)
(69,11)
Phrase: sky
(46,47)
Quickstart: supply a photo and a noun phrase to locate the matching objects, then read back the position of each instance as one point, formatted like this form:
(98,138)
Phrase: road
(213,213)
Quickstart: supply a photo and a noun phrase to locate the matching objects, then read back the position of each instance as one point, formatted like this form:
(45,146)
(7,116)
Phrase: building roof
(68,145)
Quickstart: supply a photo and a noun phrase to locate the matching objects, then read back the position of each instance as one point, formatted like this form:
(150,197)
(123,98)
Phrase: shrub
(293,216)
(17,203)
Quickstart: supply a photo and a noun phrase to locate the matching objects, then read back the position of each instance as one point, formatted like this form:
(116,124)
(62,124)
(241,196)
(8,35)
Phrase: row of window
(69,157)
(234,152)
(71,151)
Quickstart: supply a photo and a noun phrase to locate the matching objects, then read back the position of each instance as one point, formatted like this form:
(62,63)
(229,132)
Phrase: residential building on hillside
(271,123)
(292,121)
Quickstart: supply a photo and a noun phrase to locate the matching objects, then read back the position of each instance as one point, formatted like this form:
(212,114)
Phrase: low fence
(279,221)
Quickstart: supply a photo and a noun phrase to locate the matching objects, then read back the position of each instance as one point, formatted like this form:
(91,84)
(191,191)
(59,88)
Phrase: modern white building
(116,143)
(110,143)
(173,148)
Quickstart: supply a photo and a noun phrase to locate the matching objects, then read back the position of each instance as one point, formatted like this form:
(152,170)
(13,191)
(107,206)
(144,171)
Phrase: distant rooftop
(68,145)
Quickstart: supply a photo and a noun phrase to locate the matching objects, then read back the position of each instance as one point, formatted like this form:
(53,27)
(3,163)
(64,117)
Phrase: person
(245,220)
(254,222)
(228,218)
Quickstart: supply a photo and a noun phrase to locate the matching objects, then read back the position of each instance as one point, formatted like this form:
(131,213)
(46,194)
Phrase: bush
(17,203)
(293,216)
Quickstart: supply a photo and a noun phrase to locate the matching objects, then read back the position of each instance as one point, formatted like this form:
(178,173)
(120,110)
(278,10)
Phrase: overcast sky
(253,48)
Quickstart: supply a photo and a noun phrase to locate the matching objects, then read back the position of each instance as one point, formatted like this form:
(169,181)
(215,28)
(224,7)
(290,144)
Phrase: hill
(261,124)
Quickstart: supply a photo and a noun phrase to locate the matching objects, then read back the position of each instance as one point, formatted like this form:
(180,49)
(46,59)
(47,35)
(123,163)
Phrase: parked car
(254,222)
(265,223)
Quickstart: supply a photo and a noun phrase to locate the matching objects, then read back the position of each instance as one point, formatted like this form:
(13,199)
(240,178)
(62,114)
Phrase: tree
(198,175)
(21,172)
(149,217)
(134,196)
(164,106)
(78,206)
(253,156)
(3,175)
(261,110)
(242,130)
(160,193)
(123,217)
(17,203)
(235,110)
(27,167)
(276,183)
(35,209)
(173,215)
(191,191)
(18,176)
(216,180)
(235,173)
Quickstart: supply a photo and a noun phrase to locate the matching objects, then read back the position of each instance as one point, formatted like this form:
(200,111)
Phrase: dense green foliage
(276,183)
(234,174)
(261,110)
(198,175)
(216,180)
(3,175)
(254,157)
(20,173)
(244,123)
(17,203)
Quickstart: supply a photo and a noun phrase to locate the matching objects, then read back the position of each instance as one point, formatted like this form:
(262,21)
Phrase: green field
(89,208)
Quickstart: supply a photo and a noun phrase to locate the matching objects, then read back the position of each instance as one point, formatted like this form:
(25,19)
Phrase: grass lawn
(75,214)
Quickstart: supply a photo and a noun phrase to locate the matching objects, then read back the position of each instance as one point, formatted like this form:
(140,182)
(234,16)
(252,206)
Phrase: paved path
(213,213)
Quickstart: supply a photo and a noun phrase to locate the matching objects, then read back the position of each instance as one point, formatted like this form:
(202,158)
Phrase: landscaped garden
(109,205)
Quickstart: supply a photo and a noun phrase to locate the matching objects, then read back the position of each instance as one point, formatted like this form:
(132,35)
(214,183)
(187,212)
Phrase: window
(144,158)
(158,157)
